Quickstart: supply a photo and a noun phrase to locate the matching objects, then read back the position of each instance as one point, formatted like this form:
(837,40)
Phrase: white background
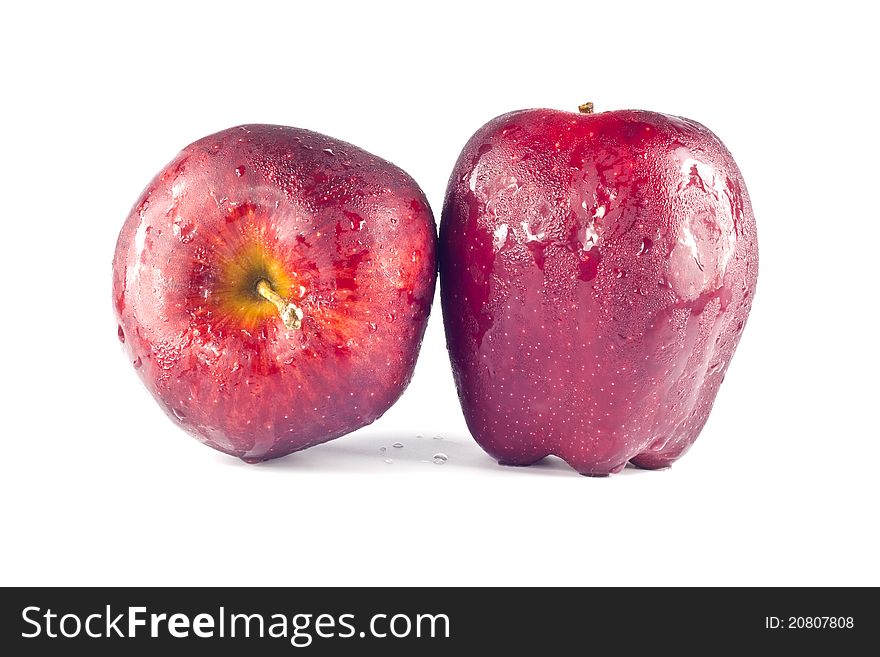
(98,487)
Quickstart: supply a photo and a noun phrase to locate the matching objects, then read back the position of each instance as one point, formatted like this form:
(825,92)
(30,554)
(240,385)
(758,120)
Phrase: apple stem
(586,108)
(290,314)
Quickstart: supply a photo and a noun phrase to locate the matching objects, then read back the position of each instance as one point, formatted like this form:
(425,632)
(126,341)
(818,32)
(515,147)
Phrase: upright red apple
(272,287)
(596,274)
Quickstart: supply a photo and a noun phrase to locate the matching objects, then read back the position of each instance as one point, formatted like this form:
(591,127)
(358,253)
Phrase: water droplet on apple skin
(439,458)
(184,230)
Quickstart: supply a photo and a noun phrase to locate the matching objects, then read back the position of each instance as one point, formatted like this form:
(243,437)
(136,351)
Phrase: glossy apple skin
(596,273)
(356,238)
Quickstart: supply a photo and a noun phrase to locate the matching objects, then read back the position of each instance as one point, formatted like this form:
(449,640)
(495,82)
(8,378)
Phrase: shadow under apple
(396,452)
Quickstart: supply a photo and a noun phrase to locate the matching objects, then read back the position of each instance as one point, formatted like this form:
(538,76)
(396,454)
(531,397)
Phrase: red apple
(272,287)
(596,274)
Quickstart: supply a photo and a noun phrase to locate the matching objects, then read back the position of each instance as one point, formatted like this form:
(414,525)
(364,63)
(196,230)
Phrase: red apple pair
(272,286)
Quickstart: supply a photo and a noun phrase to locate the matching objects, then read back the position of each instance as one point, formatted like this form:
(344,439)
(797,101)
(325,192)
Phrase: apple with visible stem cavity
(596,274)
(272,287)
